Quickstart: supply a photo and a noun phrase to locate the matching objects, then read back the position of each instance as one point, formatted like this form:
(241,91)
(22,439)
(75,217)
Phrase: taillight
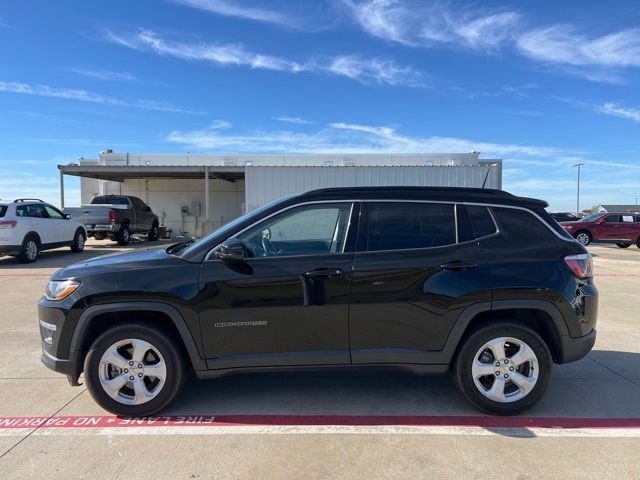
(580,265)
(112,216)
(8,224)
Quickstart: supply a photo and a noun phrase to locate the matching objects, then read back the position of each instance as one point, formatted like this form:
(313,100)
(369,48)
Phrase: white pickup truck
(116,217)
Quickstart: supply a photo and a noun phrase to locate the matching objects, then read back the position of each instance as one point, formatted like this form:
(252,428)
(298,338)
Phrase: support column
(206,198)
(61,190)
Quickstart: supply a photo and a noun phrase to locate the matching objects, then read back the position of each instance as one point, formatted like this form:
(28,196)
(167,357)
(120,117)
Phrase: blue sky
(542,85)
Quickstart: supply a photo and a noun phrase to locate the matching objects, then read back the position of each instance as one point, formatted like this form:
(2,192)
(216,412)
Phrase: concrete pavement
(606,384)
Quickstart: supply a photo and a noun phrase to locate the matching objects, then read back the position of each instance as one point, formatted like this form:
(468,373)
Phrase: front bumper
(68,367)
(575,348)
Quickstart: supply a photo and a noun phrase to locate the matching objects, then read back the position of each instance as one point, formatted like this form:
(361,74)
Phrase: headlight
(59,290)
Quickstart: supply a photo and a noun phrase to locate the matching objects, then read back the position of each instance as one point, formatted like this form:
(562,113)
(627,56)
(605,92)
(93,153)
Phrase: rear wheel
(78,242)
(124,235)
(584,238)
(134,369)
(154,233)
(504,368)
(623,245)
(30,249)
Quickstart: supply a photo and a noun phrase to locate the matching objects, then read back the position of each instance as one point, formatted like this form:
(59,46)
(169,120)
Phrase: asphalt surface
(267,425)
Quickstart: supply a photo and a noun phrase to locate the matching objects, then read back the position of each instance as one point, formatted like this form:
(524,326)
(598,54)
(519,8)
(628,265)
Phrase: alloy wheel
(31,249)
(505,369)
(583,238)
(80,241)
(132,371)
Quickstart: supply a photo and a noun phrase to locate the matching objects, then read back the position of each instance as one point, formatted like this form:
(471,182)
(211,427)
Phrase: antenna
(486,176)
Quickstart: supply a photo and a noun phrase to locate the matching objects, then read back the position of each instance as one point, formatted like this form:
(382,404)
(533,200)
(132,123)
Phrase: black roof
(454,194)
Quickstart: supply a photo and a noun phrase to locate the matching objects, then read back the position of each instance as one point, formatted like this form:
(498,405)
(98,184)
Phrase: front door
(414,273)
(287,302)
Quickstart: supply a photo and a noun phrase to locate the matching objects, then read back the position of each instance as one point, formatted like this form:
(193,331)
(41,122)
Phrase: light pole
(578,192)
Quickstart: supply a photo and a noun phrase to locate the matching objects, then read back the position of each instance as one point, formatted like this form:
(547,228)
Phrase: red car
(623,229)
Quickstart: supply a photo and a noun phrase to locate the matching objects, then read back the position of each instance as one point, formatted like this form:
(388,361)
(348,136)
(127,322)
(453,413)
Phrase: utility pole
(578,191)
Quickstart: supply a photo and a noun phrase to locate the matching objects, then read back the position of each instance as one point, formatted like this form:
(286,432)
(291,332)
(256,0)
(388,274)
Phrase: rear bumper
(575,348)
(10,249)
(102,228)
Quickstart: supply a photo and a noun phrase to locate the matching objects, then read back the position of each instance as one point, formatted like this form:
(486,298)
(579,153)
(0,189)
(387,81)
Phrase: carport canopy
(115,173)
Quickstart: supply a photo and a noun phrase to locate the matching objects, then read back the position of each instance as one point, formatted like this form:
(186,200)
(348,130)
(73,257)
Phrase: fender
(472,311)
(91,312)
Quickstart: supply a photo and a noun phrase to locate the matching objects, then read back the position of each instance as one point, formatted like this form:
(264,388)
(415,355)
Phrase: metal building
(195,194)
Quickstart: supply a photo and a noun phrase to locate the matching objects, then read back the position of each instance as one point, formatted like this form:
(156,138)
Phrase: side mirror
(67,216)
(231,251)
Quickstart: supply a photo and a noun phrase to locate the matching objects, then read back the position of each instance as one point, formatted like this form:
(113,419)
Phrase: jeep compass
(476,282)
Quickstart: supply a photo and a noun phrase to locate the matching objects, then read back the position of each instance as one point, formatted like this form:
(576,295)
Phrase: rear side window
(482,221)
(408,225)
(32,210)
(520,226)
(108,200)
(3,210)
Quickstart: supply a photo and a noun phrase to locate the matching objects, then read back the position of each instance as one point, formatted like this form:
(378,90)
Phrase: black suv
(479,282)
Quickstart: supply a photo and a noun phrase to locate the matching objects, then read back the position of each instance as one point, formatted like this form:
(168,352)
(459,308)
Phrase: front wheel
(154,233)
(134,369)
(623,245)
(584,238)
(78,242)
(503,369)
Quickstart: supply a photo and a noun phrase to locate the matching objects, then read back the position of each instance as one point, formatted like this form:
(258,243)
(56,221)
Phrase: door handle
(458,265)
(324,273)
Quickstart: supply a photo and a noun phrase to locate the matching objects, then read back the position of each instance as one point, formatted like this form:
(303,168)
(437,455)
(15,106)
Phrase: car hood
(136,260)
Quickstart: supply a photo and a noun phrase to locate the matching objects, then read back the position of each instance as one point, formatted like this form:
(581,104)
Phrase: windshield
(229,227)
(590,218)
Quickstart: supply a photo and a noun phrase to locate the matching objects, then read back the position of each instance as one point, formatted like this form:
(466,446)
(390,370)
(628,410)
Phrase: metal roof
(120,173)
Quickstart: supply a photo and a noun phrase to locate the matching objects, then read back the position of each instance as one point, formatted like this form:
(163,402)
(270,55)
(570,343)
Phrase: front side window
(53,212)
(305,230)
(408,225)
(612,219)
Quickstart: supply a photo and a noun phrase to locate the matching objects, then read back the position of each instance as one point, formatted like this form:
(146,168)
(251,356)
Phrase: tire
(124,235)
(638,242)
(583,237)
(154,233)
(153,392)
(30,250)
(477,387)
(78,241)
(623,245)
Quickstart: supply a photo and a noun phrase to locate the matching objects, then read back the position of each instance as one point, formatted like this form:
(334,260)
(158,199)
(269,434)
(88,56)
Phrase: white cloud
(361,69)
(241,10)
(86,96)
(562,44)
(102,74)
(618,111)
(416,24)
(295,120)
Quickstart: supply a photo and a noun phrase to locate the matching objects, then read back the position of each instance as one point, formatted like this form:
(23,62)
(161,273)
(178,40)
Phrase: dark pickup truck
(116,217)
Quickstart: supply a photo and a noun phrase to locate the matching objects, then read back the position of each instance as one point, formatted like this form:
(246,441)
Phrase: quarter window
(306,230)
(408,225)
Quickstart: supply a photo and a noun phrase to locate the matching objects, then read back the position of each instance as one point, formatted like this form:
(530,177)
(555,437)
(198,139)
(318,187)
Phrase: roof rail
(19,200)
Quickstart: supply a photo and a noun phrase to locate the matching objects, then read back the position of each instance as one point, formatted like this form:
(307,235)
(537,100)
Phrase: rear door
(628,227)
(287,302)
(36,218)
(414,273)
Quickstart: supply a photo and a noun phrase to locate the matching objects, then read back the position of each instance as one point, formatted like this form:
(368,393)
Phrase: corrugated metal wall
(265,184)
